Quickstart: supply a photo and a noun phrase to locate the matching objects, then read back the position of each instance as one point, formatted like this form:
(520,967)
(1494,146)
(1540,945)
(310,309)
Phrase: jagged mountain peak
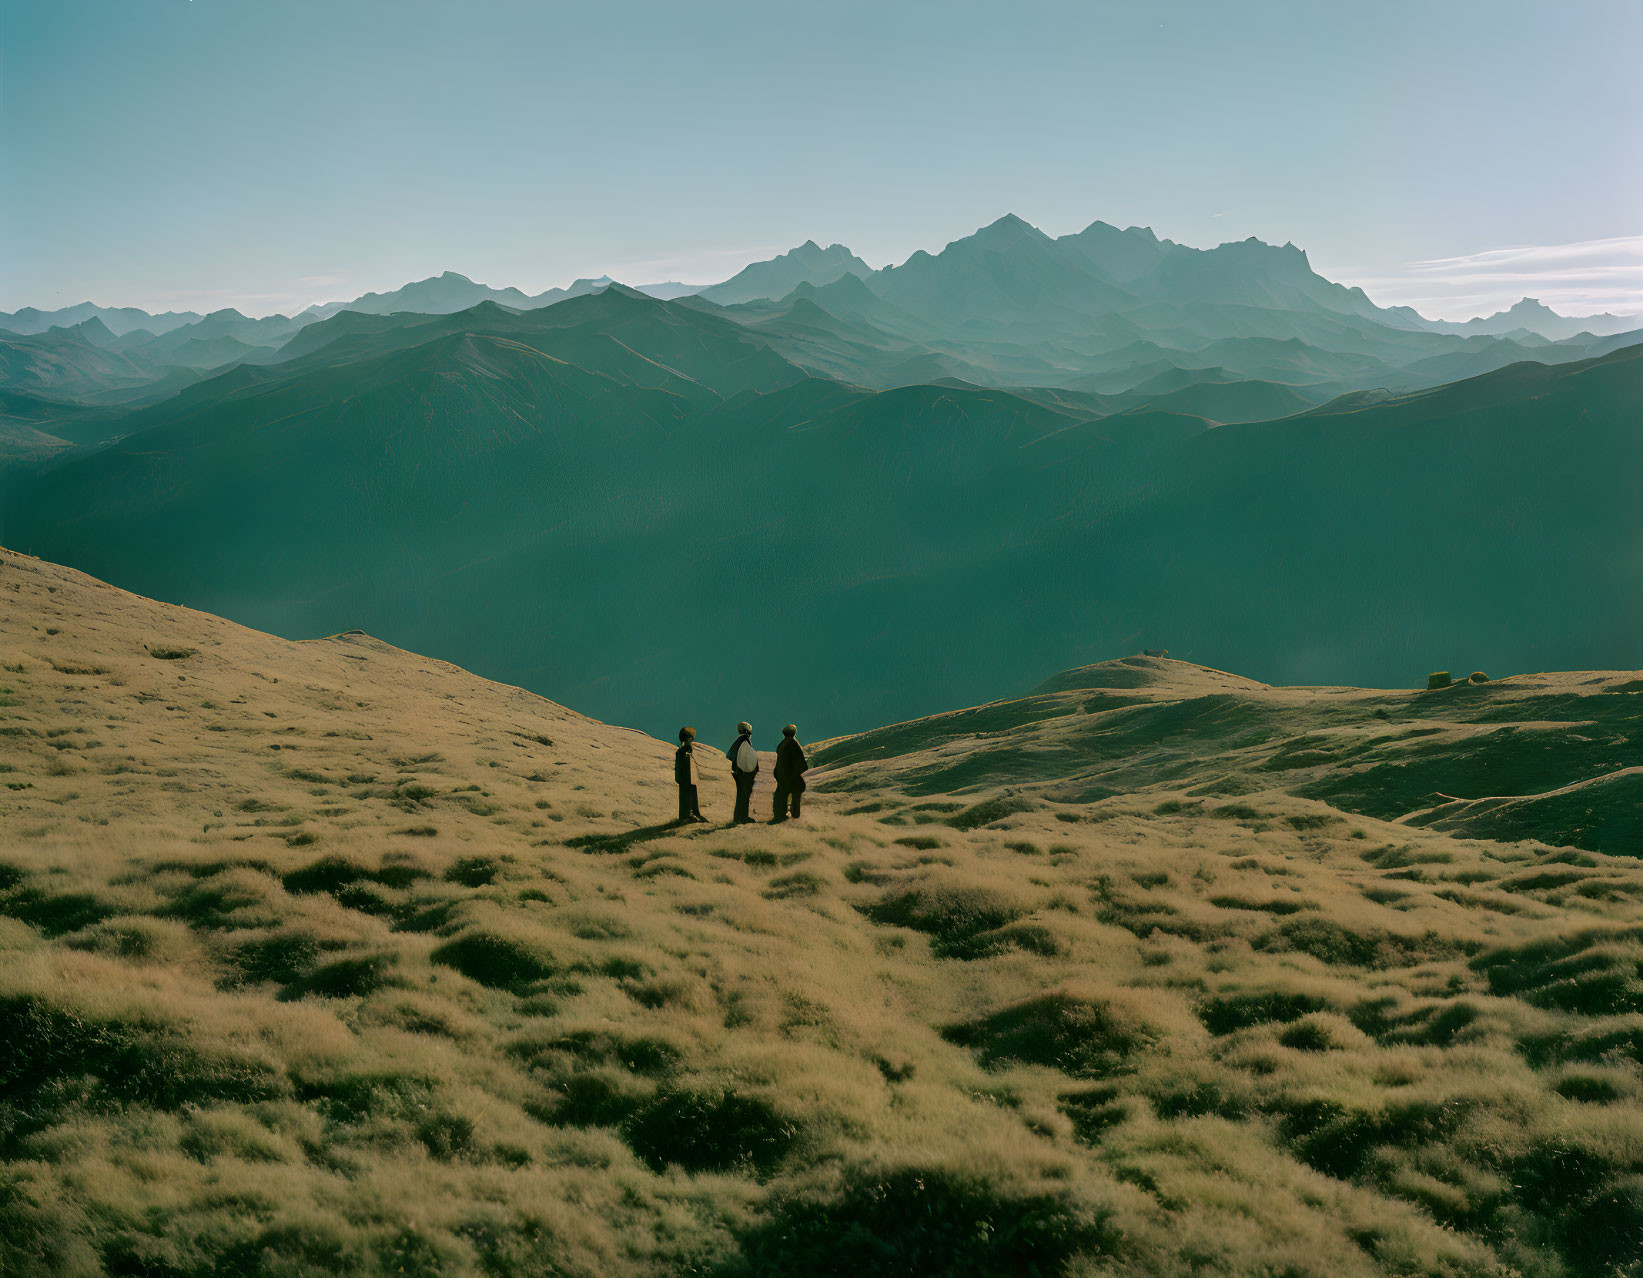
(1005,232)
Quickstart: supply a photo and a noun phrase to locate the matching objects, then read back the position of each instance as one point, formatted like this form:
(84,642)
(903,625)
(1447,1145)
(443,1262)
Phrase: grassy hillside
(328,958)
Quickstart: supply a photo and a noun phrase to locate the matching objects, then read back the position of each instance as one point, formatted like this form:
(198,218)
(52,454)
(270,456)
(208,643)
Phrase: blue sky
(1452,154)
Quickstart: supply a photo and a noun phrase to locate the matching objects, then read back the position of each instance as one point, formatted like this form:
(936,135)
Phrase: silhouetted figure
(684,772)
(791,765)
(744,766)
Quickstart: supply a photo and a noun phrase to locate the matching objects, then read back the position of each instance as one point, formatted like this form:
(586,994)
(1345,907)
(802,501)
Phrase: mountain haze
(607,497)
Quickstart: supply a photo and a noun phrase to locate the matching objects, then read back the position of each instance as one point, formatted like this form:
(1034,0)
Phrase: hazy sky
(270,153)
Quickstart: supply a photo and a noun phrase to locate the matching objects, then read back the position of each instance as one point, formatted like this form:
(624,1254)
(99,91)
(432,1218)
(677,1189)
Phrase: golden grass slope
(328,958)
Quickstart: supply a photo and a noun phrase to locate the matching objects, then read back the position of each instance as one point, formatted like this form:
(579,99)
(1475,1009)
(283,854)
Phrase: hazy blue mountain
(436,295)
(846,344)
(1006,273)
(449,293)
(1532,315)
(1252,273)
(641,508)
(119,319)
(807,264)
(63,363)
(220,338)
(93,331)
(1120,255)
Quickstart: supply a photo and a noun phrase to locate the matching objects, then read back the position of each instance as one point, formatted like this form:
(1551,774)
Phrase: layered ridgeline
(647,509)
(1102,310)
(325,957)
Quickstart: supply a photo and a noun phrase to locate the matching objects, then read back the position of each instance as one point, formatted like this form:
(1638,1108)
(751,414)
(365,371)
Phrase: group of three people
(791,765)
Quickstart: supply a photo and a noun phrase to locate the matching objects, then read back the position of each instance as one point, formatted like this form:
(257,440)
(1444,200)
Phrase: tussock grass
(1132,1003)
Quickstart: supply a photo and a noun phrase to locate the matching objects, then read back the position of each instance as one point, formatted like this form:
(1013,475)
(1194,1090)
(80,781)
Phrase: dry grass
(318,958)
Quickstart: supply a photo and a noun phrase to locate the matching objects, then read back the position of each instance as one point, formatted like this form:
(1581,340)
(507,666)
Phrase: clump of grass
(758,858)
(959,918)
(920,842)
(123,1061)
(1228,1012)
(1307,1036)
(1083,1037)
(445,1136)
(334,874)
(1593,972)
(1393,857)
(1092,1110)
(1193,1095)
(54,913)
(472,871)
(74,668)
(1589,1089)
(1313,820)
(1336,944)
(285,957)
(988,811)
(708,1129)
(138,938)
(495,961)
(647,1055)
(162,653)
(801,883)
(922,1220)
(1280,905)
(349,977)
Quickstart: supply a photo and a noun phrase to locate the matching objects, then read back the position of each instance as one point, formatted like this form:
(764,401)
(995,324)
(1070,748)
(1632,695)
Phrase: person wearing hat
(744,767)
(684,772)
(791,766)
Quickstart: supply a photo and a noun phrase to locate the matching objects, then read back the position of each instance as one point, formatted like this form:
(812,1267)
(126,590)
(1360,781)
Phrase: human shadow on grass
(610,844)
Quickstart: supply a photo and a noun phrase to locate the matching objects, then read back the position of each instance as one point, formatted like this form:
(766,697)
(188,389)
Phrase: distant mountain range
(807,264)
(1117,256)
(1100,312)
(884,491)
(667,510)
(1533,316)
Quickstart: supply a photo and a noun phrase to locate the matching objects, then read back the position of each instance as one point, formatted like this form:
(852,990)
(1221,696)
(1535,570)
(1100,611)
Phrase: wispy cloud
(1581,278)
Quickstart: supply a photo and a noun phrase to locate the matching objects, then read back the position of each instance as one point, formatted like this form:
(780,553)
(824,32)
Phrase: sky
(1454,155)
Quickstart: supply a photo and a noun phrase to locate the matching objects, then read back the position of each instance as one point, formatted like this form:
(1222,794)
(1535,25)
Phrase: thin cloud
(1619,248)
(1585,277)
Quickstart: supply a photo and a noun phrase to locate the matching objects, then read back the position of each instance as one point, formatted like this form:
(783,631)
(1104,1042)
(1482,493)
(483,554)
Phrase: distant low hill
(645,509)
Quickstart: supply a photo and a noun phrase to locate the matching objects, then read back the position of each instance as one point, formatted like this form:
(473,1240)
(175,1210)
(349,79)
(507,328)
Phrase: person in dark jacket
(743,776)
(791,766)
(684,772)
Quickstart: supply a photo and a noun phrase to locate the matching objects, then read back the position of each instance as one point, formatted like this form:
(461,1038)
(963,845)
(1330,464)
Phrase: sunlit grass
(1203,1025)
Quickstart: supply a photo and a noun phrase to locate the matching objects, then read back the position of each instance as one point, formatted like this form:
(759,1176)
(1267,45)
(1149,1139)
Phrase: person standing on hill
(744,766)
(791,766)
(685,773)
